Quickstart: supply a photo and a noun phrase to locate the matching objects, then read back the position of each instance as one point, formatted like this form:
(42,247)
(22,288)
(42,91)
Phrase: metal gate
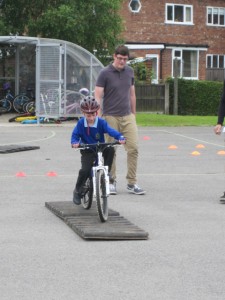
(49,80)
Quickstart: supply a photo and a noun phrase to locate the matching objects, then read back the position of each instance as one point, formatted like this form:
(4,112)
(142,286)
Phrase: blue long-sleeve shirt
(83,134)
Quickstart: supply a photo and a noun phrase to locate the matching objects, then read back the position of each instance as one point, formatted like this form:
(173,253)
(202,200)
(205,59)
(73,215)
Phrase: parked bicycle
(25,102)
(22,103)
(6,104)
(97,184)
(70,101)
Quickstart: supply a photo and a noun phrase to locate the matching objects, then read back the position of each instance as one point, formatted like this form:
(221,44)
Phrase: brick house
(191,31)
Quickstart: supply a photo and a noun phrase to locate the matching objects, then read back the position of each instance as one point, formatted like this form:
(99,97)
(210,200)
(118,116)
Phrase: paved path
(42,258)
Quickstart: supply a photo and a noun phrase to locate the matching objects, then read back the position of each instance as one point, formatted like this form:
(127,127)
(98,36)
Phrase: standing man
(115,88)
(221,113)
(218,127)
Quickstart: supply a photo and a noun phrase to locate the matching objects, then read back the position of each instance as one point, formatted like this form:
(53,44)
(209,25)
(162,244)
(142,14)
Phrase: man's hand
(217,129)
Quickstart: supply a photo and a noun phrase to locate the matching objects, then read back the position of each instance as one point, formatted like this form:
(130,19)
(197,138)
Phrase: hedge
(196,97)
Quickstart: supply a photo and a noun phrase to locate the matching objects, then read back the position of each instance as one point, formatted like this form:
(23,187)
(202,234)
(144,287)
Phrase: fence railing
(152,98)
(214,74)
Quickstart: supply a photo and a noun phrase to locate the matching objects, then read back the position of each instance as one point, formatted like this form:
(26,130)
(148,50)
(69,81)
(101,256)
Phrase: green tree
(92,24)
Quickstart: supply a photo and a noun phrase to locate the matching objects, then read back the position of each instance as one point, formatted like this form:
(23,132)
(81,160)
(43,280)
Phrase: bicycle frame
(95,169)
(100,162)
(9,96)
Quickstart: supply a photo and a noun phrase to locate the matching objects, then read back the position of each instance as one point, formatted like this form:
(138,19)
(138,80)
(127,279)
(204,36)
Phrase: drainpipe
(160,67)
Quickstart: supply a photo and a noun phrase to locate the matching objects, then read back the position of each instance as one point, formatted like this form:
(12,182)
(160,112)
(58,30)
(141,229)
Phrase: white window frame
(213,8)
(156,56)
(181,61)
(139,8)
(173,21)
(217,57)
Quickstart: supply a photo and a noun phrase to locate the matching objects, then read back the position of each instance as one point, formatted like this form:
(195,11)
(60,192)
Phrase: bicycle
(6,103)
(71,102)
(97,184)
(21,101)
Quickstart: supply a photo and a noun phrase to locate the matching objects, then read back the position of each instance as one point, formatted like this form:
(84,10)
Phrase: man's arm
(99,91)
(133,100)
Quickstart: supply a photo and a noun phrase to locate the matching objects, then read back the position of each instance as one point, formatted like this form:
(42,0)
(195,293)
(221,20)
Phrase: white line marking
(31,141)
(190,138)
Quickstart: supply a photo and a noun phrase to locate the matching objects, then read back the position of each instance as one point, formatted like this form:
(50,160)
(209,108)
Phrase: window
(186,62)
(135,6)
(216,16)
(215,61)
(179,14)
(153,58)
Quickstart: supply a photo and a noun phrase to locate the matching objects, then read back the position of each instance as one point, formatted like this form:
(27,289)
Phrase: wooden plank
(116,228)
(87,225)
(16,148)
(67,208)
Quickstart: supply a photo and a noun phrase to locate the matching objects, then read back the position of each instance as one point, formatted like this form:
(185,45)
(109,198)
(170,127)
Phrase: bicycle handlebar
(98,145)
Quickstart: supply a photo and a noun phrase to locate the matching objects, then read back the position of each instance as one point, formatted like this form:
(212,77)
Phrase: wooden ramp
(16,148)
(87,225)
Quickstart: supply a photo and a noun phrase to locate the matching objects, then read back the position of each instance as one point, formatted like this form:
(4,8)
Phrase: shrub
(196,97)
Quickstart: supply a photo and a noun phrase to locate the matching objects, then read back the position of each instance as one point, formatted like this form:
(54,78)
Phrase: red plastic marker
(20,174)
(51,174)
(146,138)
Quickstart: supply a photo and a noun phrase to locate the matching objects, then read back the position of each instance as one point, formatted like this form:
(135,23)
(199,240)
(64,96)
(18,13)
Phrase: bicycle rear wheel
(87,192)
(5,105)
(101,196)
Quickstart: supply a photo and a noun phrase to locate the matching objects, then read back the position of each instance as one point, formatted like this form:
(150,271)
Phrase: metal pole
(175,99)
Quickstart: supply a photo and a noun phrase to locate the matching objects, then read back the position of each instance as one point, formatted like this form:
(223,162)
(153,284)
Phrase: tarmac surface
(182,171)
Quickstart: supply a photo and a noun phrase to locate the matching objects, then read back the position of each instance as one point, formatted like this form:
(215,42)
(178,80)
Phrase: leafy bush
(142,73)
(196,97)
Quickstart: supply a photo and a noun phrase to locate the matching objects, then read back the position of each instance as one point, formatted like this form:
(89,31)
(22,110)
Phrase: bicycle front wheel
(101,196)
(18,103)
(29,107)
(5,105)
(87,193)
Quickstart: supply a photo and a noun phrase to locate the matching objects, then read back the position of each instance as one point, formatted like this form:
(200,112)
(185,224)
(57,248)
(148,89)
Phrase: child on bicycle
(89,130)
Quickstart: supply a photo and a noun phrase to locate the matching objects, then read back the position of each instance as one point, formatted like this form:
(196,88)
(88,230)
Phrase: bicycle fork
(105,170)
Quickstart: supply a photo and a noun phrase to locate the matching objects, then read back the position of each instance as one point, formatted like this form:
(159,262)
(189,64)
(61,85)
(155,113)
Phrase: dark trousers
(87,160)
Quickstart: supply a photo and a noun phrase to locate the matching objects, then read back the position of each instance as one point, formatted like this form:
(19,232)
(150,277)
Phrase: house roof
(146,46)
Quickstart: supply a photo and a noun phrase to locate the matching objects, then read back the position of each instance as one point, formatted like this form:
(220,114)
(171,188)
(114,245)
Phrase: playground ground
(182,171)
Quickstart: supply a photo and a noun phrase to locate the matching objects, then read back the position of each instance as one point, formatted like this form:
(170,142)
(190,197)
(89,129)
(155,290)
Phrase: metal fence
(152,98)
(214,74)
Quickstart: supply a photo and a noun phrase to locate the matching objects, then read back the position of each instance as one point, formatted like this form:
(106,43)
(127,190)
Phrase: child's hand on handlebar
(75,145)
(122,140)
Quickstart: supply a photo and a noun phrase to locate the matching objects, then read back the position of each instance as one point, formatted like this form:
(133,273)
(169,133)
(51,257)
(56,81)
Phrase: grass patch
(148,119)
